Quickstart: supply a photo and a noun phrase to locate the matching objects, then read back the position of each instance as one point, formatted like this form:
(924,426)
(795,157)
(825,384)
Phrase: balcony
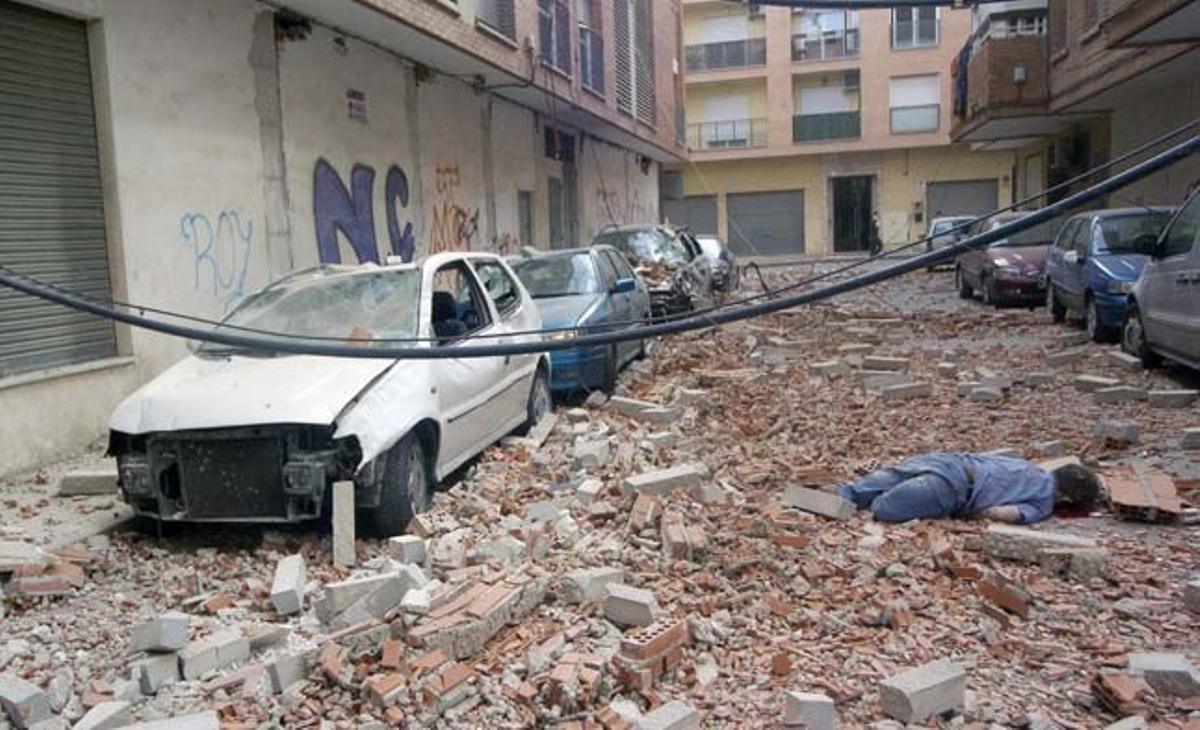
(729,54)
(916,119)
(728,134)
(818,127)
(825,46)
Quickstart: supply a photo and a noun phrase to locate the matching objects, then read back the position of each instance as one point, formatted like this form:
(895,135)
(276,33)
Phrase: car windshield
(377,305)
(944,226)
(650,245)
(559,275)
(1040,235)
(1119,234)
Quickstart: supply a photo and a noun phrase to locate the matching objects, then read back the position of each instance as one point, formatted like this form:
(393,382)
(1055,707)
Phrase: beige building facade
(800,124)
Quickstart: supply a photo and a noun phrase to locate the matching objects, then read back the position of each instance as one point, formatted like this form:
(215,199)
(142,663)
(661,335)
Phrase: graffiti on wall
(506,245)
(220,252)
(454,225)
(351,212)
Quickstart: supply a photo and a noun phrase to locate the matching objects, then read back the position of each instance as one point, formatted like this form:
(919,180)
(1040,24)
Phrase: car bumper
(1020,290)
(1110,309)
(577,368)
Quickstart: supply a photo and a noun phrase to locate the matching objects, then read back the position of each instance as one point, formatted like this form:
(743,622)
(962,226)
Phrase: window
(554,33)
(608,274)
(914,27)
(458,307)
(559,145)
(497,15)
(525,216)
(1180,237)
(914,104)
(624,270)
(591,47)
(499,286)
(633,41)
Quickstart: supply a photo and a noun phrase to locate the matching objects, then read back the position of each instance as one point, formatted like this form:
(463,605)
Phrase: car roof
(634,227)
(1122,212)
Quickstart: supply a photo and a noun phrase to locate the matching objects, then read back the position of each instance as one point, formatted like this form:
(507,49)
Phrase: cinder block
(914,695)
(206,720)
(906,391)
(88,482)
(589,490)
(155,672)
(590,584)
(1092,383)
(983,394)
(287,590)
(879,362)
(1124,360)
(813,711)
(629,606)
(1172,398)
(878,381)
(664,481)
(1191,594)
(1027,545)
(1190,440)
(105,716)
(23,702)
(344,594)
(343,524)
(592,454)
(1118,432)
(168,632)
(407,549)
(826,504)
(830,368)
(1119,394)
(286,670)
(213,652)
(1066,357)
(675,715)
(376,604)
(1168,674)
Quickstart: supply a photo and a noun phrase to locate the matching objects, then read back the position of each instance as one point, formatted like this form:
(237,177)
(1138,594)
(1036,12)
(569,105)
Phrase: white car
(253,436)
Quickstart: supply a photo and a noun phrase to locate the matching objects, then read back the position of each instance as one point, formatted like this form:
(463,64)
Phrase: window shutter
(623,55)
(644,63)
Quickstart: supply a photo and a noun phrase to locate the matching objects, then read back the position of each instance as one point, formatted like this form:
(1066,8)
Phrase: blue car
(1094,263)
(586,288)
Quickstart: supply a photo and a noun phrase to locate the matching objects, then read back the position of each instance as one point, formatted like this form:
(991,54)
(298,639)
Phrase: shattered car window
(650,246)
(559,276)
(361,306)
(1119,234)
(1039,235)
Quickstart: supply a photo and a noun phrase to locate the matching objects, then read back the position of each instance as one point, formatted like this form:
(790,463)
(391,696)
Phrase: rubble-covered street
(660,561)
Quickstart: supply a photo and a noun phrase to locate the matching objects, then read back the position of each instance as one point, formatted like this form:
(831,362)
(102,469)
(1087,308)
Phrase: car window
(1178,239)
(1063,242)
(559,275)
(1120,234)
(624,270)
(1081,236)
(648,245)
(499,285)
(458,306)
(608,275)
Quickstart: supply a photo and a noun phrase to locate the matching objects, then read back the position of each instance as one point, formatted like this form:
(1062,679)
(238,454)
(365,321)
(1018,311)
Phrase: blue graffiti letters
(220,252)
(396,189)
(351,212)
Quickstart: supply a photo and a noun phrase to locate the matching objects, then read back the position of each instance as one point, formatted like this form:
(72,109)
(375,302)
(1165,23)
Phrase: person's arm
(1009,513)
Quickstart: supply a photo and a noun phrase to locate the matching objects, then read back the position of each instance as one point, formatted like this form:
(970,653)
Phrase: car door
(1074,258)
(1169,293)
(513,315)
(971,262)
(1054,262)
(637,302)
(618,303)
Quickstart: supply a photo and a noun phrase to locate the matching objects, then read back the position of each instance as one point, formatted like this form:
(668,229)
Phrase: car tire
(612,366)
(960,281)
(987,288)
(539,404)
(1091,322)
(405,488)
(1057,311)
(1133,339)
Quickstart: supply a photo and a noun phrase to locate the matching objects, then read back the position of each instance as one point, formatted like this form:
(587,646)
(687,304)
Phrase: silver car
(726,277)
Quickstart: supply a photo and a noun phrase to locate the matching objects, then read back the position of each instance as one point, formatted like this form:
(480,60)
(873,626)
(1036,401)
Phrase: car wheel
(1134,339)
(612,364)
(960,281)
(1057,311)
(988,293)
(1091,321)
(539,404)
(405,489)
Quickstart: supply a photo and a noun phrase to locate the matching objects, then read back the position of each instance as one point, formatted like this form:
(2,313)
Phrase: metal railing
(914,119)
(826,45)
(729,54)
(835,125)
(727,134)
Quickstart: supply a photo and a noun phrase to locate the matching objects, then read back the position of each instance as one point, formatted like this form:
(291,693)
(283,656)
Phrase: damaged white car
(253,436)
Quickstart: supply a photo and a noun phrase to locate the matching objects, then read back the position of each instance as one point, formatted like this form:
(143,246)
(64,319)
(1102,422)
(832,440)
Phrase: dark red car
(1009,271)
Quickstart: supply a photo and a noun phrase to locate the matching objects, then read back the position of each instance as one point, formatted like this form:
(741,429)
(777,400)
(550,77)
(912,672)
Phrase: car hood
(565,311)
(1121,267)
(237,390)
(1020,256)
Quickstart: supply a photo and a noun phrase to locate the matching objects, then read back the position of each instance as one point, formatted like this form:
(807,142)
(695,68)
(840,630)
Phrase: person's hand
(1002,513)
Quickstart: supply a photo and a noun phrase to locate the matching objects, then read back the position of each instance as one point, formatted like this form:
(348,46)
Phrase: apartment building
(1070,84)
(180,154)
(802,123)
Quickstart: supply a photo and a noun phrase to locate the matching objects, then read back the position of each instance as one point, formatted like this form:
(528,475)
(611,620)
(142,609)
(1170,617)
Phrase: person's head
(1075,486)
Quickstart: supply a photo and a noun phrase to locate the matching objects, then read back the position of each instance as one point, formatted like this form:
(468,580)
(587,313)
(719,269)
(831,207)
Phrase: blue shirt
(990,481)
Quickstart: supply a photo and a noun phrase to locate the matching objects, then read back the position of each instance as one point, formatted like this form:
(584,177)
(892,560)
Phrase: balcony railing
(836,125)
(914,119)
(727,134)
(826,45)
(730,54)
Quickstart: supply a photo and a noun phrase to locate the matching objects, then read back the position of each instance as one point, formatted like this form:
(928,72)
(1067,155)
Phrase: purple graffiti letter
(396,189)
(337,209)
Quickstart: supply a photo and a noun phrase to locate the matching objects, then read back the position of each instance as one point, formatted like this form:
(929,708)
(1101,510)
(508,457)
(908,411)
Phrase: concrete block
(675,715)
(663,481)
(1169,674)
(1117,432)
(906,391)
(1133,722)
(155,672)
(593,454)
(590,584)
(1119,394)
(1049,449)
(830,368)
(661,440)
(825,504)
(1076,563)
(344,594)
(287,590)
(891,364)
(88,482)
(628,606)
(577,415)
(407,549)
(206,720)
(14,555)
(1026,545)
(1124,360)
(105,716)
(1065,358)
(168,632)
(984,394)
(24,703)
(660,415)
(343,524)
(213,652)
(813,711)
(690,398)
(1172,398)
(629,406)
(877,381)
(286,670)
(589,491)
(1191,594)
(1072,339)
(914,695)
(1190,440)
(1038,379)
(376,604)
(947,369)
(855,348)
(1092,383)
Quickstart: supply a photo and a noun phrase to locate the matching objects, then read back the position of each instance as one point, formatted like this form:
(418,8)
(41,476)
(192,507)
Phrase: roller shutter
(766,224)
(51,212)
(962,197)
(698,212)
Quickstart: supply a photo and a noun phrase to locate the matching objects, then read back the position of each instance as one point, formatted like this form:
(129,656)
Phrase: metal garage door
(766,224)
(698,212)
(51,216)
(961,197)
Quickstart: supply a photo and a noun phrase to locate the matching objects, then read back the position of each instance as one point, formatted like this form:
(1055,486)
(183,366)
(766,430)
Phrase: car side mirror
(624,286)
(1146,244)
(1071,257)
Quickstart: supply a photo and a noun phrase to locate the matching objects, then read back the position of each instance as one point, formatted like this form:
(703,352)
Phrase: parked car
(943,233)
(1009,271)
(1094,263)
(1162,318)
(669,260)
(586,288)
(726,277)
(235,435)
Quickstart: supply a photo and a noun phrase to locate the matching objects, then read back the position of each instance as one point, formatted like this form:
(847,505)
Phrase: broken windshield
(558,276)
(1040,235)
(649,246)
(360,307)
(1120,234)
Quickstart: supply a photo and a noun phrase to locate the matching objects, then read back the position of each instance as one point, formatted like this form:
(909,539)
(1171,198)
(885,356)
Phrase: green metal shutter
(51,209)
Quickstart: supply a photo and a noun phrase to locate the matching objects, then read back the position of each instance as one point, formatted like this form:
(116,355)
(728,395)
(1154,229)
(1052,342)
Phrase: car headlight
(1120,287)
(1010,270)
(563,335)
(1001,262)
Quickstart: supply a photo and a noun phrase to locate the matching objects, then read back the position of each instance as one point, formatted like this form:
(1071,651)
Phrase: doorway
(852,203)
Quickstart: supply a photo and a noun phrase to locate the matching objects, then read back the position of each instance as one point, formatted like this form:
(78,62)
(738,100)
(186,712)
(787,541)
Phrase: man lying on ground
(971,485)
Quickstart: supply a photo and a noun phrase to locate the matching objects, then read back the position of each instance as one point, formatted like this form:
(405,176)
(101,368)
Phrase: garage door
(961,197)
(51,216)
(698,212)
(766,224)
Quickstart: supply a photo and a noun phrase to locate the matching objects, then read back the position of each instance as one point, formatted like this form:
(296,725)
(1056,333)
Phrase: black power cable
(526,345)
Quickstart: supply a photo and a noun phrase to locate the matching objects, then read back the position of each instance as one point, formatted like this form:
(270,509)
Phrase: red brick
(1007,596)
(647,509)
